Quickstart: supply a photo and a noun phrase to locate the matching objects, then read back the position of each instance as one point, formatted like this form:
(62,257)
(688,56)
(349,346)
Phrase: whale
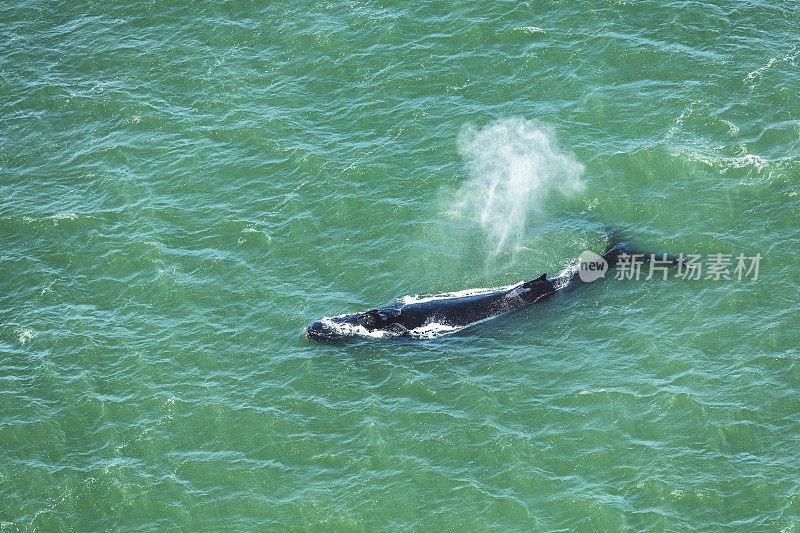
(436,315)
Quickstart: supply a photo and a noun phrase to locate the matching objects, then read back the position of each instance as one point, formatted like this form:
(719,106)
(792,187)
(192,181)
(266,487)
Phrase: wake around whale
(428,317)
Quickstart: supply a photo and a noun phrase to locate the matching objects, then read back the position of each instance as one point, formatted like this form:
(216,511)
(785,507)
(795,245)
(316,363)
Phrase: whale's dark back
(465,310)
(404,318)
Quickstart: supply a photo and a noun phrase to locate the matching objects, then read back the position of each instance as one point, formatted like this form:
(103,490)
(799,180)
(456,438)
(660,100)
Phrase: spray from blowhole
(516,167)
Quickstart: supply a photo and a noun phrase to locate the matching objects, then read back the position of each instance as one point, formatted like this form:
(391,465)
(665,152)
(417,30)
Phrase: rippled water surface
(186,185)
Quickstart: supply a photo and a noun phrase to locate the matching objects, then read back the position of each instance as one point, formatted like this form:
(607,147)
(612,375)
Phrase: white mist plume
(515,166)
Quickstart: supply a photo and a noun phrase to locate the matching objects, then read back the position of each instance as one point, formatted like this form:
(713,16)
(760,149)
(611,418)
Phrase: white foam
(25,335)
(415,299)
(426,331)
(347,329)
(743,161)
(563,279)
(64,216)
(433,330)
(789,58)
(530,29)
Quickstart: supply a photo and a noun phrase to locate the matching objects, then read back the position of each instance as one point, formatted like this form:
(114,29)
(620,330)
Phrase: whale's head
(351,325)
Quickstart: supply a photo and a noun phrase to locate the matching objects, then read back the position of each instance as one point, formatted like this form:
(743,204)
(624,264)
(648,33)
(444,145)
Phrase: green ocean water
(186,185)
